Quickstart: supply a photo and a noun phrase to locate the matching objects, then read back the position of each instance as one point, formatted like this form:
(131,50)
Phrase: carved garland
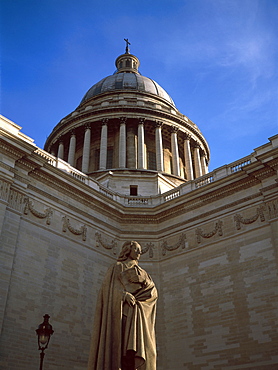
(246,221)
(82,231)
(217,228)
(149,247)
(29,206)
(181,243)
(100,243)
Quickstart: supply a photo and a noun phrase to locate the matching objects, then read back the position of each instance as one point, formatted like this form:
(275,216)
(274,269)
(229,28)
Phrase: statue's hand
(130,299)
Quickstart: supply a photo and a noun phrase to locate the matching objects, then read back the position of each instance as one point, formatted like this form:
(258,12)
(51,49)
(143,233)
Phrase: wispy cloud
(225,34)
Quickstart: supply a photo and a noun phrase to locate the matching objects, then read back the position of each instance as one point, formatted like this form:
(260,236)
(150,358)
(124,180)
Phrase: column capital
(141,120)
(196,145)
(202,153)
(87,126)
(158,124)
(72,132)
(187,136)
(174,129)
(122,120)
(60,139)
(104,121)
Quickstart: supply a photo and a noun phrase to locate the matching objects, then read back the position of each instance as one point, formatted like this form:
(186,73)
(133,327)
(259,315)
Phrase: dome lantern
(127,62)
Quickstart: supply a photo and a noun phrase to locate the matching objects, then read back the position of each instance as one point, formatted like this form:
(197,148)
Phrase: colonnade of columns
(194,167)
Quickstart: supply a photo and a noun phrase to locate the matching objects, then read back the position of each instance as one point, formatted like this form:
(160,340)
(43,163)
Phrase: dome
(128,129)
(127,81)
(127,77)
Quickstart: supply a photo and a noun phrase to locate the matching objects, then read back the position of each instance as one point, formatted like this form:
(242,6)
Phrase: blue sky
(216,58)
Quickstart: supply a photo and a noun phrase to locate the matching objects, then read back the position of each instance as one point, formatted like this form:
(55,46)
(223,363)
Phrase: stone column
(175,151)
(72,147)
(103,145)
(197,161)
(141,144)
(159,147)
(188,158)
(122,143)
(204,166)
(86,149)
(61,149)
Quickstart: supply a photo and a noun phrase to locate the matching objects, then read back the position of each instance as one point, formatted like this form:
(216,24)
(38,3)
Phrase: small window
(133,190)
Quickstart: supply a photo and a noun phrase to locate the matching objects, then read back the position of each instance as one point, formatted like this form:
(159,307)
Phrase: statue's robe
(111,340)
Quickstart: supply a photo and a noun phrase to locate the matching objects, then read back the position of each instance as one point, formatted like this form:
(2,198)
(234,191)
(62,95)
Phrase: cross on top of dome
(127,62)
(127,48)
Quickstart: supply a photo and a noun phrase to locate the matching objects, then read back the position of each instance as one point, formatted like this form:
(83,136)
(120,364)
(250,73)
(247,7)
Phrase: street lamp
(44,333)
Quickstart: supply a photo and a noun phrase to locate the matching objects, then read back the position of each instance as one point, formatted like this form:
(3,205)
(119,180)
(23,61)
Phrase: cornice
(77,210)
(79,192)
(8,138)
(120,111)
(186,205)
(13,152)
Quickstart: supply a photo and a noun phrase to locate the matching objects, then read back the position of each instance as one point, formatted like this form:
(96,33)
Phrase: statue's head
(130,249)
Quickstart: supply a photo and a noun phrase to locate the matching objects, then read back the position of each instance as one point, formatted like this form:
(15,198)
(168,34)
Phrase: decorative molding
(14,153)
(272,207)
(181,243)
(217,228)
(148,248)
(15,200)
(4,190)
(82,231)
(208,199)
(100,243)
(246,221)
(29,206)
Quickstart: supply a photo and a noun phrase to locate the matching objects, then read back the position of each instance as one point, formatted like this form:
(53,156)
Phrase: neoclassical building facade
(127,165)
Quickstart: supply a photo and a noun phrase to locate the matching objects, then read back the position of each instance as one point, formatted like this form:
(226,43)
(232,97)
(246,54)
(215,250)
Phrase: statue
(123,335)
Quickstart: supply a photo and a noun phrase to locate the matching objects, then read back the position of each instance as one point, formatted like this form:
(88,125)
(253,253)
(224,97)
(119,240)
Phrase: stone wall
(212,253)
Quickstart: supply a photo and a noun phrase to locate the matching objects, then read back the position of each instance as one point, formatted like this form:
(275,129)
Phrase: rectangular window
(133,190)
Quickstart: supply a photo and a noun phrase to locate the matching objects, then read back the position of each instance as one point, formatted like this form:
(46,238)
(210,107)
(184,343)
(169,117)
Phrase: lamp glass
(43,339)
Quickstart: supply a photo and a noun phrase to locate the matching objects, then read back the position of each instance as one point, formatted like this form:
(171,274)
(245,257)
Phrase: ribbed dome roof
(127,81)
(127,77)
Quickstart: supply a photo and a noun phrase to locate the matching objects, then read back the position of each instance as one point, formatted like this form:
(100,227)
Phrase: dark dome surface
(127,81)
